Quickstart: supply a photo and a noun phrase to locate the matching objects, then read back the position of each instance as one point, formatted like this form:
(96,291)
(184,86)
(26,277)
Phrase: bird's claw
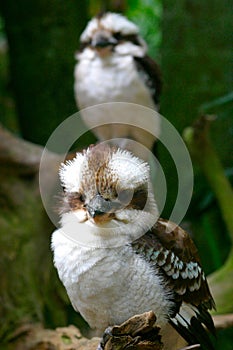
(106,336)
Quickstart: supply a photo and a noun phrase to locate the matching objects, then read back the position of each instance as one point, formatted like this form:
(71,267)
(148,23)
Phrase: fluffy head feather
(100,165)
(111,32)
(112,22)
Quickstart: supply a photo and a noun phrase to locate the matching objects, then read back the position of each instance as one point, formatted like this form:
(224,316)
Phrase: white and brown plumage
(138,262)
(113,66)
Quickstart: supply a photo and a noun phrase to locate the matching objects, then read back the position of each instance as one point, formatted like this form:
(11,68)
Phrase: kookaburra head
(109,187)
(112,31)
(108,196)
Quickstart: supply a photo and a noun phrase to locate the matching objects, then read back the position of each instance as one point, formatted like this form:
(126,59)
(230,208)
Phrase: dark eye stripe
(70,201)
(75,200)
(119,36)
(83,45)
(132,37)
(139,199)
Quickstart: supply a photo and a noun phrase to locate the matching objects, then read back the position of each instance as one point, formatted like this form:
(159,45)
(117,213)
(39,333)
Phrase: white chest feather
(111,79)
(108,285)
(114,79)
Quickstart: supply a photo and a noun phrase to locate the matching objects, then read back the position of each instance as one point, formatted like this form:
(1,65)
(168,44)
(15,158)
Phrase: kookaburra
(113,66)
(117,258)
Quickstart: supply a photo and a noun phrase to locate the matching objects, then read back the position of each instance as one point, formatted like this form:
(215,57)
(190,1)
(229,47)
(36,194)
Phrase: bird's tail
(195,325)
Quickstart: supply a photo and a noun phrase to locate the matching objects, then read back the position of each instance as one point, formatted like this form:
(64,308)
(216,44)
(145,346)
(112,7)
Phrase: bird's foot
(106,336)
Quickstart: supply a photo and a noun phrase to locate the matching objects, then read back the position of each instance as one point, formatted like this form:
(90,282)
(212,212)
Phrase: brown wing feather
(151,74)
(171,249)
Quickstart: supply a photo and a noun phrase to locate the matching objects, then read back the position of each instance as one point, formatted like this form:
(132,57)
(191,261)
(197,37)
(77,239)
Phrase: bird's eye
(75,200)
(82,198)
(118,36)
(125,196)
(76,197)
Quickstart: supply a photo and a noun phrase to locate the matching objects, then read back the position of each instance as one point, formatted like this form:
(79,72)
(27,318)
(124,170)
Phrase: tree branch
(223,321)
(22,156)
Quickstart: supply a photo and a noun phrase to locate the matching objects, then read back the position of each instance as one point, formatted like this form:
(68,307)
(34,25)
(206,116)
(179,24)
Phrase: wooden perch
(35,337)
(139,332)
(202,151)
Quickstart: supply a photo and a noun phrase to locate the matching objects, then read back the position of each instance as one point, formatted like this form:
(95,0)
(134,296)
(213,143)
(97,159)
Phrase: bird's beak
(101,209)
(103,39)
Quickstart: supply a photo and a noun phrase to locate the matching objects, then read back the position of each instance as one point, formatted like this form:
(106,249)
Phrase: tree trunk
(43,37)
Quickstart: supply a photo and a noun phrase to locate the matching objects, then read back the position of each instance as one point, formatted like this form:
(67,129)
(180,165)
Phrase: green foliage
(225,339)
(147,14)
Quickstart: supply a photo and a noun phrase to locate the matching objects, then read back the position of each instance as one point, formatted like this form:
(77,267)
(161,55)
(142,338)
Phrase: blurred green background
(192,42)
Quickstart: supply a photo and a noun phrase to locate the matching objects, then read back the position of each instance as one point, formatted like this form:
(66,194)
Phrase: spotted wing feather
(169,248)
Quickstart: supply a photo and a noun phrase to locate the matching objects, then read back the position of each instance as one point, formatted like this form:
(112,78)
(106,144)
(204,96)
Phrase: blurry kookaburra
(113,66)
(129,260)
